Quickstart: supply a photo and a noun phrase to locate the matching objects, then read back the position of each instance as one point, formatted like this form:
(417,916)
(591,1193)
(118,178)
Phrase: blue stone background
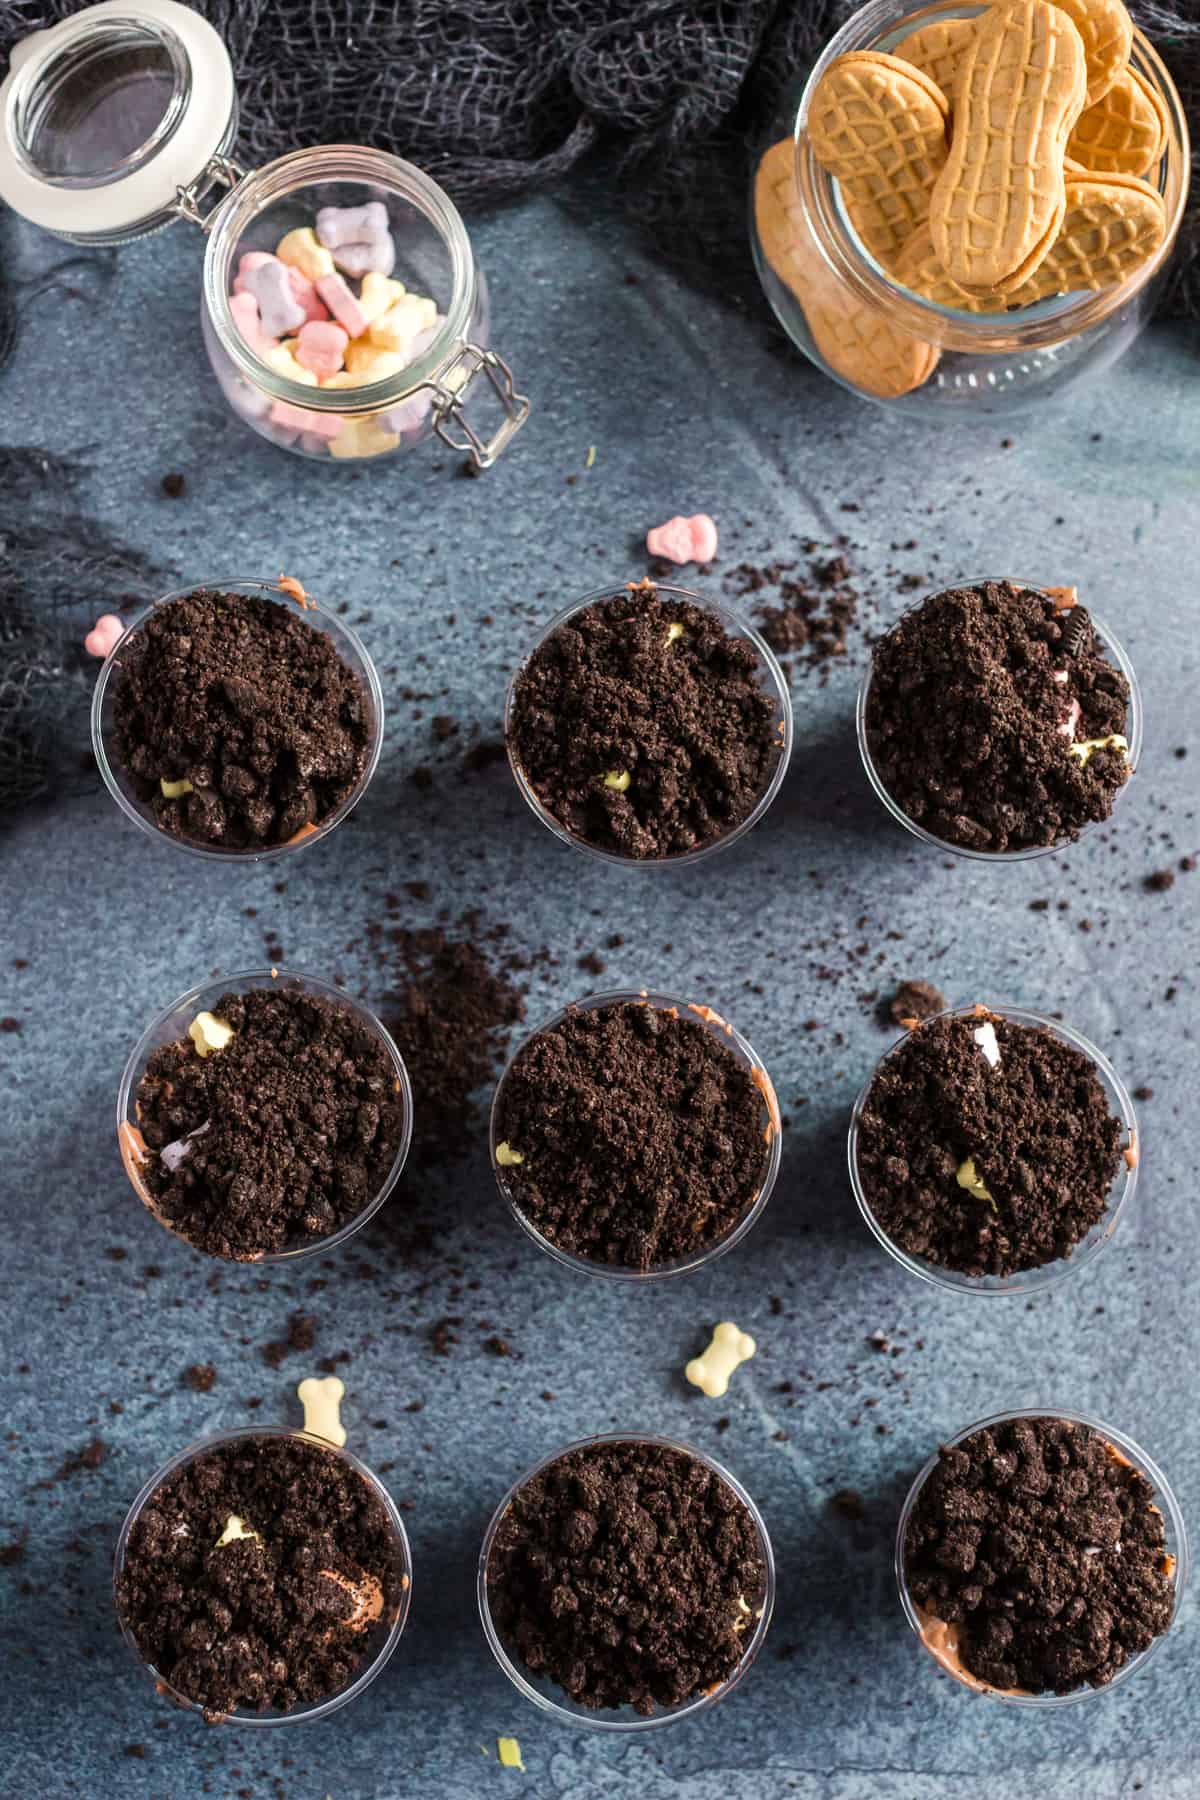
(688,407)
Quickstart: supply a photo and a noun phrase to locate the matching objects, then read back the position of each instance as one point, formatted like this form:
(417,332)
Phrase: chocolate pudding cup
(772,680)
(380,1639)
(171,1026)
(1114,653)
(1023,1281)
(700,1256)
(124,788)
(939,1640)
(545,1693)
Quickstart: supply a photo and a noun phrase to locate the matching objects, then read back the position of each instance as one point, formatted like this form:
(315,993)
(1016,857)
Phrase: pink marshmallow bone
(102,639)
(343,304)
(306,293)
(321,347)
(683,540)
(244,308)
(267,279)
(326,426)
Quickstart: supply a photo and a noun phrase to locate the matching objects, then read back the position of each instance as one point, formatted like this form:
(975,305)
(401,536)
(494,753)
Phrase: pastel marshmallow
(338,225)
(306,295)
(320,346)
(409,415)
(375,258)
(683,540)
(102,639)
(377,293)
(244,308)
(326,426)
(282,358)
(300,250)
(402,322)
(370,363)
(340,300)
(363,437)
(278,309)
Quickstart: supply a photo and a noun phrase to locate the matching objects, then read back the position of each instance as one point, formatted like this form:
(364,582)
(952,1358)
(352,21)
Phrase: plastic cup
(773,1149)
(551,1698)
(381,1640)
(1023,1281)
(1176,1546)
(1133,731)
(171,1026)
(773,681)
(118,781)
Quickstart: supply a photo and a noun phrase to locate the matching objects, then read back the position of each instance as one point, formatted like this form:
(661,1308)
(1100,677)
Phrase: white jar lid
(104,117)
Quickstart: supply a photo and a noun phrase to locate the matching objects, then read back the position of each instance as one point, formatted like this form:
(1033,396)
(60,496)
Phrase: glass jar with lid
(123,118)
(954,362)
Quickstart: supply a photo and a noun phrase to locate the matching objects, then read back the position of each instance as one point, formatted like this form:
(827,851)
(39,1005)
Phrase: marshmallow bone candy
(304,319)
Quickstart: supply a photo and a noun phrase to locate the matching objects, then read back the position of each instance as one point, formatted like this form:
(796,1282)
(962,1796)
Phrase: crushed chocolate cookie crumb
(987,1170)
(1160,882)
(201,1378)
(641,1135)
(1045,1550)
(284,1135)
(628,1574)
(252,707)
(915,1000)
(644,743)
(970,729)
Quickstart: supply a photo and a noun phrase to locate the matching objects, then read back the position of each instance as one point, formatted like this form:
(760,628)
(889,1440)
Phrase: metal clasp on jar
(450,390)
(219,171)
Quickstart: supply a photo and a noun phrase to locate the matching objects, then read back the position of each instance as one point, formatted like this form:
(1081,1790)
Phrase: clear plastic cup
(1133,731)
(545,1693)
(117,780)
(773,681)
(381,1640)
(1164,1500)
(171,1026)
(773,1147)
(1024,1281)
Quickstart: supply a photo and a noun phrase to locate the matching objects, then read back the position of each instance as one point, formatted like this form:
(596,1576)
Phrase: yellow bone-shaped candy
(397,327)
(300,250)
(282,358)
(320,1396)
(729,1347)
(368,362)
(209,1033)
(378,293)
(363,437)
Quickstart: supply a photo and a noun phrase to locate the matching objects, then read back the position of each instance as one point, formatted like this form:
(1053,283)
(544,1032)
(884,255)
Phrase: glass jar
(980,365)
(121,119)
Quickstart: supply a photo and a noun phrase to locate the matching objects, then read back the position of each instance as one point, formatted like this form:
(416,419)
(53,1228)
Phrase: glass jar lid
(114,119)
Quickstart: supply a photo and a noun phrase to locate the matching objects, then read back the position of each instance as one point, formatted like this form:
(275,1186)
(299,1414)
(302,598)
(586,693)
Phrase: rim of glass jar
(726,1034)
(1134,723)
(1164,1499)
(1047,1275)
(1041,326)
(582,1716)
(734,625)
(300,169)
(246,980)
(350,648)
(302,1715)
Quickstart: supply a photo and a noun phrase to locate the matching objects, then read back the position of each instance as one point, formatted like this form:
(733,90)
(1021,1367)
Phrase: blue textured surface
(687,409)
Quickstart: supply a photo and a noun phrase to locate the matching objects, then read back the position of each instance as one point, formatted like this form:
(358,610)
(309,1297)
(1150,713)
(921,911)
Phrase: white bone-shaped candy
(729,1347)
(320,1396)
